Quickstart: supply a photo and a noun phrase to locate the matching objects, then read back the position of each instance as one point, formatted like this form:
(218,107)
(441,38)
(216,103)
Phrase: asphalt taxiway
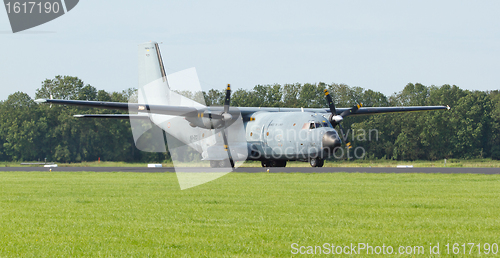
(441,170)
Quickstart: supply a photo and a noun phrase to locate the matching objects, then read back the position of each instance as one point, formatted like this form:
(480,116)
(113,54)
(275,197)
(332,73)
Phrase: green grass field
(245,215)
(486,162)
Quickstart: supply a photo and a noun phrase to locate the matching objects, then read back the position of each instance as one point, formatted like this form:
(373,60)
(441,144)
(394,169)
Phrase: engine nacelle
(204,121)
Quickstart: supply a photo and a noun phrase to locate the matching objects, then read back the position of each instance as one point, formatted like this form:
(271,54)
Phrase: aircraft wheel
(280,163)
(313,162)
(273,163)
(224,163)
(214,163)
(321,162)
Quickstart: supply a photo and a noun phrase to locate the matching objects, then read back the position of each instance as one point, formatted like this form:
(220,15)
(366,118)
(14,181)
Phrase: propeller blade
(334,116)
(226,116)
(347,143)
(330,103)
(351,110)
(344,114)
(227,101)
(226,146)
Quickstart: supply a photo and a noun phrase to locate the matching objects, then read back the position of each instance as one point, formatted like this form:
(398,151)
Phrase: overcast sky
(378,45)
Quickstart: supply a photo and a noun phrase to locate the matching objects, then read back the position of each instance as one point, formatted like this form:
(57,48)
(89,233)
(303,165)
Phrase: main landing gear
(316,162)
(273,163)
(220,163)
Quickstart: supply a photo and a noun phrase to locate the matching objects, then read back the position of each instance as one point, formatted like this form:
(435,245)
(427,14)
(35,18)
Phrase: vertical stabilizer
(153,85)
(153,90)
(150,64)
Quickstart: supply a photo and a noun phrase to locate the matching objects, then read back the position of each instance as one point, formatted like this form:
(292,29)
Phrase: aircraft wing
(384,110)
(360,111)
(245,111)
(157,109)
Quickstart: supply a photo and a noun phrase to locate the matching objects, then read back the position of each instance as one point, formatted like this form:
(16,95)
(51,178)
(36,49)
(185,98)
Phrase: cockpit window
(313,125)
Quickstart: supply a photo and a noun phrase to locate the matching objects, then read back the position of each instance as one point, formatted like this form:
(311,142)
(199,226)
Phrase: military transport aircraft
(225,135)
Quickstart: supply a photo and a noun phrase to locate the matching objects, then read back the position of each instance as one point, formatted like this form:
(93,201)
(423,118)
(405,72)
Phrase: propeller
(336,119)
(226,117)
(220,121)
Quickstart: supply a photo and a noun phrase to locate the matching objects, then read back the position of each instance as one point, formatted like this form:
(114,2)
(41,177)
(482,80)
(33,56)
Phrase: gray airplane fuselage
(267,136)
(288,135)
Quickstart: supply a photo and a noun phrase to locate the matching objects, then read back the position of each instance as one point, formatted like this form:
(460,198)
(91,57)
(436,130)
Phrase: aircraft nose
(330,141)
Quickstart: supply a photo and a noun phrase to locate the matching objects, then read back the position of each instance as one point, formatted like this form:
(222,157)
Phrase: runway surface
(442,170)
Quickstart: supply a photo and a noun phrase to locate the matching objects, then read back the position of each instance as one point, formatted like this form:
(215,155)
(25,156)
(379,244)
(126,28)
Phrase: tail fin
(153,89)
(150,64)
(153,85)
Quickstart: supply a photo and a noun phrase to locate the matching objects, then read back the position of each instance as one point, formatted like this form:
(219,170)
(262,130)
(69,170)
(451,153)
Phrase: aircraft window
(311,125)
(325,125)
(318,125)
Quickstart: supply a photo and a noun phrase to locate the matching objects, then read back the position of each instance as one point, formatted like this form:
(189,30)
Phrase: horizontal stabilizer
(115,116)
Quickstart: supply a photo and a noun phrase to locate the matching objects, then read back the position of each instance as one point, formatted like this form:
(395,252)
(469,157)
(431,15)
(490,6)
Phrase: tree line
(471,129)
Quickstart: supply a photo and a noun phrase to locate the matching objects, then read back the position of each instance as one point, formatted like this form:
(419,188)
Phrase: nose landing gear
(314,162)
